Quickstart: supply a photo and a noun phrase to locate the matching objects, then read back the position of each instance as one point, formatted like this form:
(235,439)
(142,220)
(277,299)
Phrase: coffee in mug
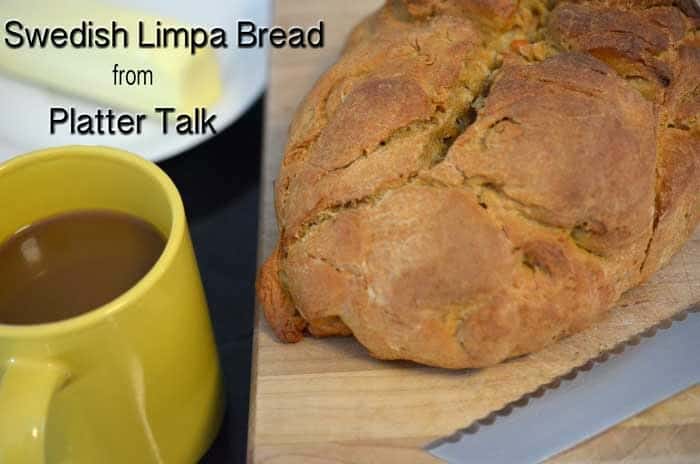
(120,363)
(74,262)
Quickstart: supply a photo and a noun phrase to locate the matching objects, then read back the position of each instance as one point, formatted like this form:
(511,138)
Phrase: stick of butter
(99,54)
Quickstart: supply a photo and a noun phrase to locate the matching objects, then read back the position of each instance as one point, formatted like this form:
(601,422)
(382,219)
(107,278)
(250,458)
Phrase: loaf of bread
(475,179)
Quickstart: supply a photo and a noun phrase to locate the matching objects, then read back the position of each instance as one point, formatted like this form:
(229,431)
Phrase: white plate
(24,116)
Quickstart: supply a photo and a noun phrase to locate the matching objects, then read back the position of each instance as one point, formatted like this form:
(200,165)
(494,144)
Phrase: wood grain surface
(327,401)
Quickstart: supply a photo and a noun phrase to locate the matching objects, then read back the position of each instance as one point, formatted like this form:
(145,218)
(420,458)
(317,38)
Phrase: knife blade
(657,364)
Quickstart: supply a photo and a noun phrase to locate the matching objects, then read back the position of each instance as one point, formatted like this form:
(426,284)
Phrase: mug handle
(26,390)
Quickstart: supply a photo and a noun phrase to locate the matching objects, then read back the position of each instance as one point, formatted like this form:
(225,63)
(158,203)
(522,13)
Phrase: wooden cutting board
(327,401)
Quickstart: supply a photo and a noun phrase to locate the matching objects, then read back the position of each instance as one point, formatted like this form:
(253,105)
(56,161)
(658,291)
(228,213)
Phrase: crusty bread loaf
(475,179)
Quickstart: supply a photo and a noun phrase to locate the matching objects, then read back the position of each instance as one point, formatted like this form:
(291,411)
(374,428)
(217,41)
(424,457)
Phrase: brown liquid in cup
(72,263)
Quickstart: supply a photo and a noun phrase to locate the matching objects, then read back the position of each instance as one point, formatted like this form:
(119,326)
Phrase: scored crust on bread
(475,179)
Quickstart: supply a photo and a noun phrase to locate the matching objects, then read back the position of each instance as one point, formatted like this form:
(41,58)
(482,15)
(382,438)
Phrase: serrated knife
(656,365)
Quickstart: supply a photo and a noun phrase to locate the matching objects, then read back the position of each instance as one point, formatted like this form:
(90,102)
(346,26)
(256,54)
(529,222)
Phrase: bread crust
(475,179)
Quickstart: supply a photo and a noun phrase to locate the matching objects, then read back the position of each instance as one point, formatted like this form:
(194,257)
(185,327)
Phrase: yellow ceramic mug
(135,381)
